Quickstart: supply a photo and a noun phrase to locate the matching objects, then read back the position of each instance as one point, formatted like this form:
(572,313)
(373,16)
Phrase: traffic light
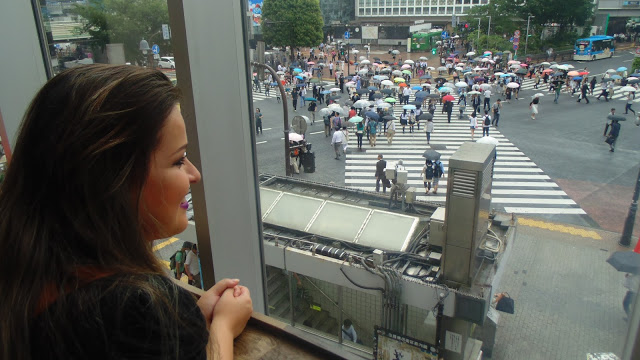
(433,51)
(466,25)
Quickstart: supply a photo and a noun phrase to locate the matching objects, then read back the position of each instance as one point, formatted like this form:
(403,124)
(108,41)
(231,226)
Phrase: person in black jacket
(380,176)
(613,134)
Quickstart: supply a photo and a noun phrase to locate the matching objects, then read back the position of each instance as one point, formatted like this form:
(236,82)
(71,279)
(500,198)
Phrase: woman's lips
(184,205)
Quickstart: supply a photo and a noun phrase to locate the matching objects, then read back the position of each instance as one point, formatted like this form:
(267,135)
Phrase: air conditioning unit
(467,210)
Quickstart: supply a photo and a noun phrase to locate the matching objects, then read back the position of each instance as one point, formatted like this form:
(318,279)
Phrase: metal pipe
(625,240)
(526,39)
(285,109)
(478,42)
(488,29)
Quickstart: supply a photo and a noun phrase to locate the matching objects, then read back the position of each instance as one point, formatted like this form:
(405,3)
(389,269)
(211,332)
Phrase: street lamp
(478,42)
(144,47)
(488,29)
(625,240)
(526,39)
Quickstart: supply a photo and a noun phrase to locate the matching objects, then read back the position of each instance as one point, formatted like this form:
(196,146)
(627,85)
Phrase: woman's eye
(181,161)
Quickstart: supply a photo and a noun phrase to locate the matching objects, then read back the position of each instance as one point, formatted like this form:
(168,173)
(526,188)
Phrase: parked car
(167,62)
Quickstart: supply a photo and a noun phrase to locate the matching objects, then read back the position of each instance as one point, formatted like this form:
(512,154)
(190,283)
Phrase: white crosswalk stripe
(528,84)
(519,185)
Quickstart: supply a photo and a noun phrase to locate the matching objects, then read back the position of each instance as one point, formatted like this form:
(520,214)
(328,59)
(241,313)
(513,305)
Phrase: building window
(449,10)
(396,2)
(361,3)
(410,11)
(425,10)
(403,11)
(403,2)
(411,2)
(396,11)
(375,11)
(368,3)
(418,11)
(375,3)
(361,12)
(441,10)
(388,11)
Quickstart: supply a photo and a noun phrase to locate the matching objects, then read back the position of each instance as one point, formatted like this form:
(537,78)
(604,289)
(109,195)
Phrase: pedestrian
(348,332)
(303,94)
(592,85)
(427,176)
(390,130)
(473,123)
(336,141)
(359,133)
(380,175)
(604,91)
(95,287)
(327,124)
(331,69)
(629,103)
(404,119)
(429,129)
(396,187)
(258,119)
(486,123)
(631,283)
(345,142)
(341,83)
(613,135)
(412,120)
(608,121)
(438,172)
(533,107)
(584,90)
(192,267)
(497,106)
(294,98)
(449,109)
(487,99)
(372,126)
(312,109)
(537,81)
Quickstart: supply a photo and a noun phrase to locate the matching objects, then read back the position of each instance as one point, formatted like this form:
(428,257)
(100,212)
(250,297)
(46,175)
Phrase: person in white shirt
(473,123)
(192,267)
(336,141)
(330,69)
(487,100)
(348,332)
(390,130)
(396,187)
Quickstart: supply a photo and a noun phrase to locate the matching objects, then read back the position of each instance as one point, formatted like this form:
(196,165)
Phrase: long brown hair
(71,195)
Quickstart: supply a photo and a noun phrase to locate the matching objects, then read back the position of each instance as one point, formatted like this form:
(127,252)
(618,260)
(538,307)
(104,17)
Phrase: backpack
(437,171)
(487,120)
(327,121)
(337,121)
(172,259)
(429,173)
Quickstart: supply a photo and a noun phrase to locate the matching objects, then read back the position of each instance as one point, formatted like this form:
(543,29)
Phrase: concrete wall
(23,69)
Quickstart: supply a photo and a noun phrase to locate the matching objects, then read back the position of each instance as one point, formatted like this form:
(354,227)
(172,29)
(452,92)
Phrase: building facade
(435,11)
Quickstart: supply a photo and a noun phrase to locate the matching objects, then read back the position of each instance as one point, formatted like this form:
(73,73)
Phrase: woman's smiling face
(163,204)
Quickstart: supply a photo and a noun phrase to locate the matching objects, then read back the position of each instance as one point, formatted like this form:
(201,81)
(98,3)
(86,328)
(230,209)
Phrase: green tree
(126,22)
(293,23)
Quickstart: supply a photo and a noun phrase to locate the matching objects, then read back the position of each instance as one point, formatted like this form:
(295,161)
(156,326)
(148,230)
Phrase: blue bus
(594,47)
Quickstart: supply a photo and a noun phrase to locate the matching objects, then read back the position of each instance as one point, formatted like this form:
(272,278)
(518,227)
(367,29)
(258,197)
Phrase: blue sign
(444,34)
(347,34)
(155,49)
(515,46)
(511,39)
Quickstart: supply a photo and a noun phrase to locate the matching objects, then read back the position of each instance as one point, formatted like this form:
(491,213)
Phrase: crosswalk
(528,84)
(261,95)
(519,185)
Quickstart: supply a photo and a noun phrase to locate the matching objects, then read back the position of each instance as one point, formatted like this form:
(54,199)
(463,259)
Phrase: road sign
(155,49)
(166,34)
(516,33)
(444,34)
(511,39)
(347,34)
(516,40)
(515,46)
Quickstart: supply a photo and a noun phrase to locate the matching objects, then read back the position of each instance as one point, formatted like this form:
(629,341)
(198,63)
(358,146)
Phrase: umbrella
(390,100)
(399,80)
(431,155)
(362,91)
(425,77)
(610,71)
(403,84)
(607,79)
(325,111)
(361,104)
(583,73)
(433,96)
(461,84)
(416,87)
(372,115)
(442,68)
(334,97)
(395,52)
(621,69)
(384,105)
(538,95)
(297,70)
(547,71)
(406,72)
(355,51)
(625,261)
(545,63)
(558,82)
(309,99)
(295,137)
(365,62)
(558,74)
(511,62)
(444,89)
(568,66)
(577,78)
(616,77)
(633,81)
(301,85)
(409,107)
(521,71)
(616,117)
(471,53)
(423,58)
(335,89)
(325,92)
(386,83)
(356,119)
(373,88)
(421,94)
(408,61)
(386,91)
(448,98)
(485,86)
(488,140)
(388,117)
(498,73)
(396,73)
(513,85)
(405,66)
(474,93)
(573,73)
(425,116)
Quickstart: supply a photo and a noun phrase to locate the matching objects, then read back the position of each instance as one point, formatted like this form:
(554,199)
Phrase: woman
(359,133)
(427,176)
(533,106)
(404,119)
(109,143)
(412,120)
(429,129)
(473,123)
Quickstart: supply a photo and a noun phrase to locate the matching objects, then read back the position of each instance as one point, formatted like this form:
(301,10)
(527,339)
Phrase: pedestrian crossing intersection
(529,84)
(519,185)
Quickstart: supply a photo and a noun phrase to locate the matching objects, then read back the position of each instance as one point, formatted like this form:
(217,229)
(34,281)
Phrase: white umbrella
(334,89)
(365,62)
(362,57)
(383,105)
(424,58)
(442,68)
(280,72)
(408,61)
(295,137)
(498,73)
(485,86)
(355,51)
(538,95)
(396,72)
(545,63)
(628,88)
(405,66)
(395,52)
(485,60)
(474,93)
(568,66)
(471,53)
(459,68)
(611,71)
(363,71)
(457,37)
(360,104)
(488,140)
(477,68)
(325,111)
(562,67)
(513,62)
(386,83)
(449,85)
(555,66)
(461,84)
(513,85)
(431,68)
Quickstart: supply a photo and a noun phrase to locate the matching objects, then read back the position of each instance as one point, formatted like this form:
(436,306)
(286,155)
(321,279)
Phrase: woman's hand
(208,301)
(233,311)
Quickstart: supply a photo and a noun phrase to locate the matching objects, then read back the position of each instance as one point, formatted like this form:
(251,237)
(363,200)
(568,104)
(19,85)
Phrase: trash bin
(309,162)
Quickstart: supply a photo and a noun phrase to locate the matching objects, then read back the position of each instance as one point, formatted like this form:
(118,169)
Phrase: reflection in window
(403,11)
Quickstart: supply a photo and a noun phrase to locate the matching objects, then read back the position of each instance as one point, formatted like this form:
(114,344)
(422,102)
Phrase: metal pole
(488,29)
(478,42)
(285,109)
(348,56)
(625,240)
(526,39)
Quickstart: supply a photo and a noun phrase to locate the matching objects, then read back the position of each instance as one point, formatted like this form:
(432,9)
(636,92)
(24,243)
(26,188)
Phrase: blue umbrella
(325,92)
(577,78)
(635,75)
(274,84)
(420,94)
(505,75)
(417,87)
(372,88)
(616,77)
(621,69)
(299,77)
(297,70)
(444,89)
(309,99)
(301,85)
(372,115)
(409,107)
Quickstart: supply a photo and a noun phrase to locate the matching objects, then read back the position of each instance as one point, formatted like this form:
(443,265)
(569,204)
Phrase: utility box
(467,210)
(403,176)
(436,227)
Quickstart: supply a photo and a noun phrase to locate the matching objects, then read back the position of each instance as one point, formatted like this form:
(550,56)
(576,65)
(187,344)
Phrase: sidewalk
(568,299)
